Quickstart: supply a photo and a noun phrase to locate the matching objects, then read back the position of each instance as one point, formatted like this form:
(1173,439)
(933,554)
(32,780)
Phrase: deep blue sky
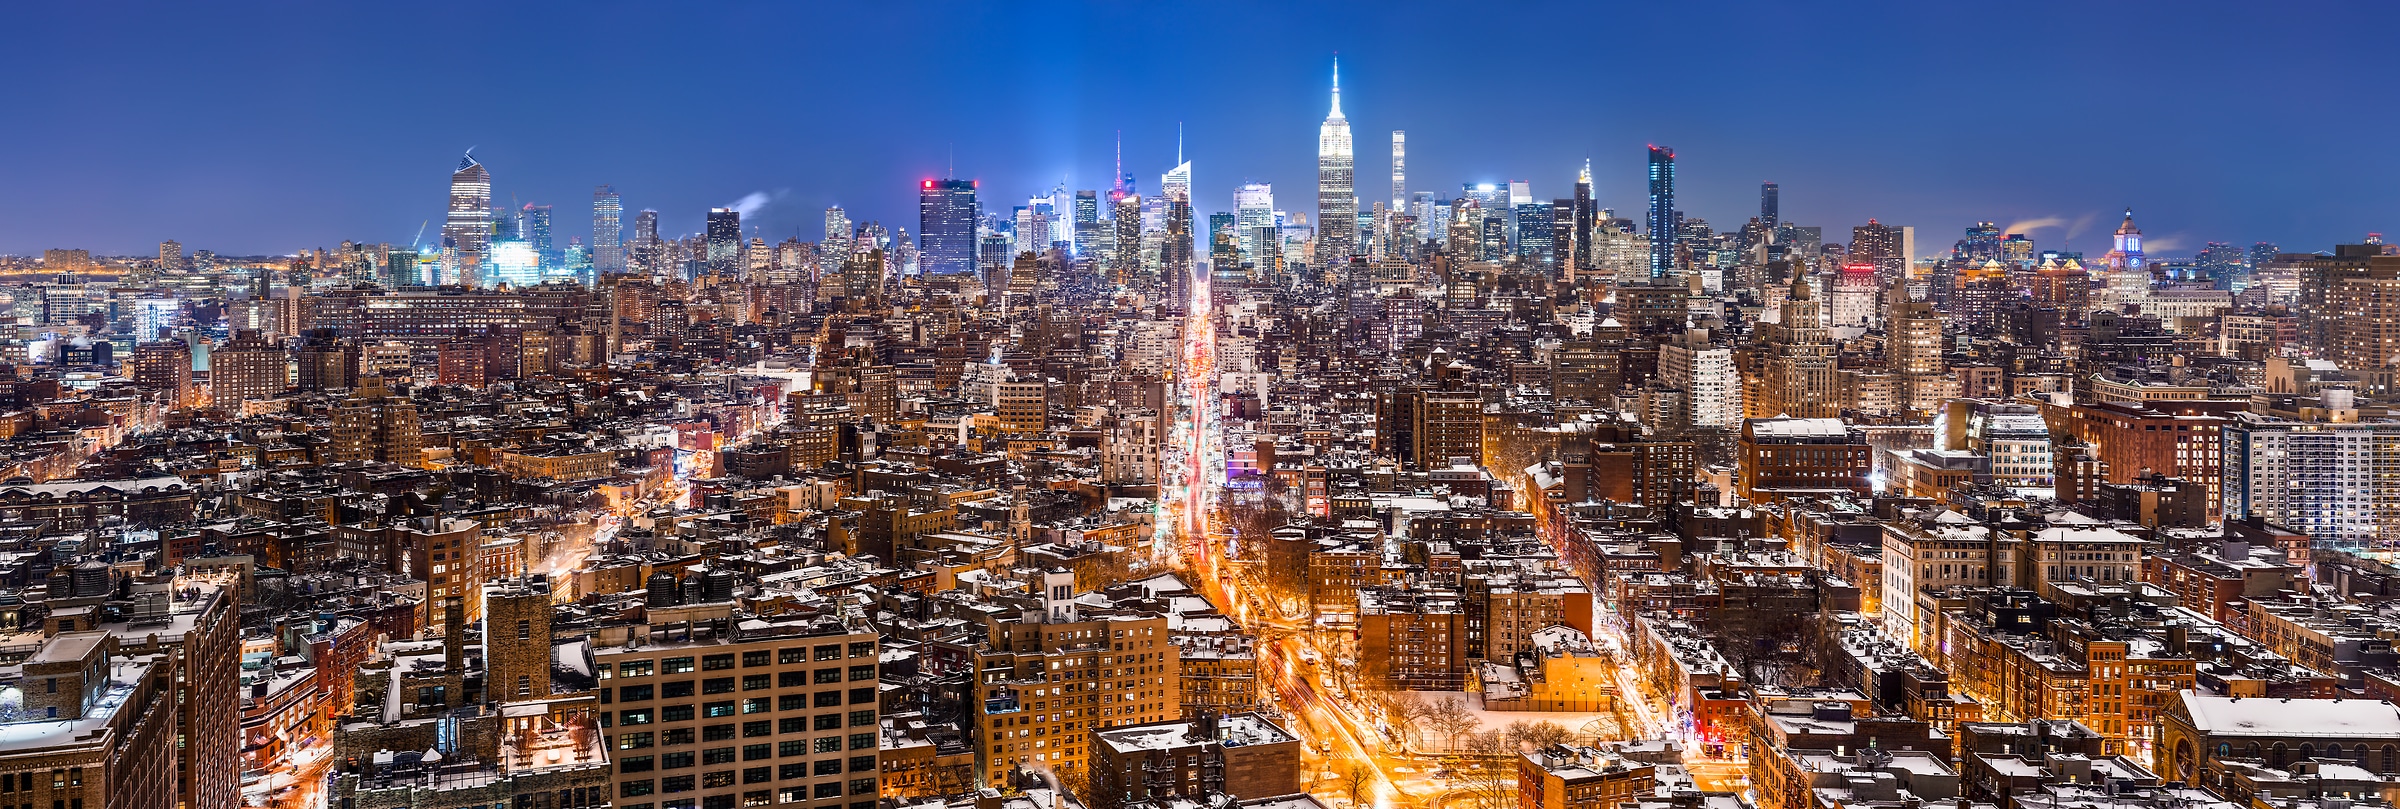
(279,127)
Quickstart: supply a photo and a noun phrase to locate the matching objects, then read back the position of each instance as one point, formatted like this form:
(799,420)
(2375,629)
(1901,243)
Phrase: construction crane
(419,241)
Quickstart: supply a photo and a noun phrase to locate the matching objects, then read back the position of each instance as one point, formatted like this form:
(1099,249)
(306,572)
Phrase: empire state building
(1337,206)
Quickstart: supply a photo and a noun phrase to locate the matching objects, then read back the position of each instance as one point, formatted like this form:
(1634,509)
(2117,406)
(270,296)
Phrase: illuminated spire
(1586,177)
(1337,88)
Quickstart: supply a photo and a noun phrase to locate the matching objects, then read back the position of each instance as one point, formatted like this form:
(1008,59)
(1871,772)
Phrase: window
(634,668)
(717,685)
(862,649)
(675,761)
(716,662)
(828,676)
(675,783)
(524,685)
(862,696)
(858,673)
(791,724)
(757,682)
(791,702)
(716,733)
(524,630)
(757,705)
(792,655)
(716,780)
(676,665)
(714,710)
(862,741)
(634,693)
(719,801)
(757,775)
(862,763)
(754,658)
(830,651)
(640,716)
(791,795)
(829,790)
(789,772)
(831,721)
(791,679)
(829,699)
(754,752)
(634,764)
(757,797)
(676,713)
(827,744)
(716,755)
(831,766)
(752,730)
(627,789)
(633,741)
(678,688)
(862,719)
(862,786)
(675,736)
(794,747)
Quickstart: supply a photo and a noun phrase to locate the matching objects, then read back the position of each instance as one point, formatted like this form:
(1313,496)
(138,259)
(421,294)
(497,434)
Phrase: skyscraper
(1177,182)
(1662,211)
(608,251)
(1089,234)
(2126,250)
(1254,209)
(1879,245)
(1534,240)
(1176,186)
(1520,194)
(1399,170)
(170,256)
(1175,253)
(2262,253)
(724,243)
(469,226)
(1770,205)
(1583,218)
(1337,205)
(1128,257)
(946,215)
(834,249)
(533,225)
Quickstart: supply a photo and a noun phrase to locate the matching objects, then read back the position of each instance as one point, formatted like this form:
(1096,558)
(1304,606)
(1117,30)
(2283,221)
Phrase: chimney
(454,637)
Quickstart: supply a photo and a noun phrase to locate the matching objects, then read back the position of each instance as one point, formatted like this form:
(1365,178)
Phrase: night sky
(283,127)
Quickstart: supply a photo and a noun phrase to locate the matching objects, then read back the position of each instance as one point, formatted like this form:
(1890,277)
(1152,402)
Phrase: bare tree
(1545,733)
(1398,709)
(1515,733)
(1450,717)
(1359,783)
(1489,771)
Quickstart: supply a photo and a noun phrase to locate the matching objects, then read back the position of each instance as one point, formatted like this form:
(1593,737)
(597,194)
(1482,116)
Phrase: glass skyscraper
(724,242)
(946,215)
(1662,211)
(469,227)
(533,225)
(608,249)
